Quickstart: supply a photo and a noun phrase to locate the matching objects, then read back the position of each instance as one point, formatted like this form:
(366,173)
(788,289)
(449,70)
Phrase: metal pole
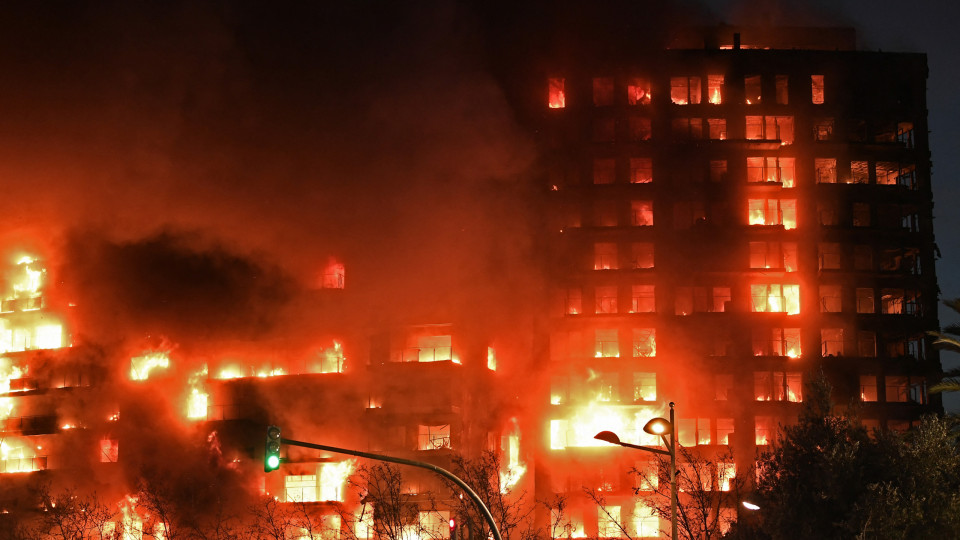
(423,465)
(673,475)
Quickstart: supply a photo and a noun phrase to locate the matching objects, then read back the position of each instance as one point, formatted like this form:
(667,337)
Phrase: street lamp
(661,427)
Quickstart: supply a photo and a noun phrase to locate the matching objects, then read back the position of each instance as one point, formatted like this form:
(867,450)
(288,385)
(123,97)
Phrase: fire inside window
(644,386)
(557,98)
(771,169)
(726,472)
(770,128)
(752,89)
(641,170)
(645,520)
(641,213)
(775,298)
(605,256)
(606,344)
(638,91)
(717,128)
(776,342)
(773,212)
(778,386)
(822,129)
(715,89)
(685,90)
(868,388)
(859,173)
(109,450)
(764,429)
(433,437)
(609,522)
(333,276)
(573,302)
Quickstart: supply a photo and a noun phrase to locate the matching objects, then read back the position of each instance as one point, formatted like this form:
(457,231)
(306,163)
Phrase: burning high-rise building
(722,219)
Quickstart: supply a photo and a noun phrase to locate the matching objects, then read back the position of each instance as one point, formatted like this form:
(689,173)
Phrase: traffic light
(453,529)
(271,454)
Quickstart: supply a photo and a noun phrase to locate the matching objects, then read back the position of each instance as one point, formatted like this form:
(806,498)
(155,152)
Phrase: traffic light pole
(429,466)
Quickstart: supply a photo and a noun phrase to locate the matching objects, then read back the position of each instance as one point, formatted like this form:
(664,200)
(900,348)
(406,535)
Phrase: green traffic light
(273,462)
(271,454)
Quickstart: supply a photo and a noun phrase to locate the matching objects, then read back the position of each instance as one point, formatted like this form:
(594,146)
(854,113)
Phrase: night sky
(274,135)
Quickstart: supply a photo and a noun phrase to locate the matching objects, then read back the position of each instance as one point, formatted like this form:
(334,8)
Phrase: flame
(197,399)
(131,523)
(333,479)
(578,429)
(30,280)
(515,469)
(141,366)
(715,98)
(17,456)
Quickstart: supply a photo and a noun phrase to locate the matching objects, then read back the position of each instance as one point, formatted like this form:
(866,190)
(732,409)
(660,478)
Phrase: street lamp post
(657,426)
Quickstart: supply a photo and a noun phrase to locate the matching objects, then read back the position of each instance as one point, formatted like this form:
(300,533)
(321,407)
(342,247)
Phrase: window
(604,171)
(867,344)
(572,302)
(816,88)
(605,256)
(771,169)
(642,299)
(639,129)
(718,170)
(602,91)
(777,386)
(862,257)
(300,488)
(333,478)
(701,300)
(868,388)
(557,97)
(684,129)
(604,130)
(703,431)
(859,172)
(605,213)
(605,344)
(891,301)
(897,389)
(830,256)
(726,473)
(826,170)
(907,177)
(606,299)
(641,170)
(604,387)
(644,386)
(823,129)
(752,89)
(715,89)
(865,303)
(770,128)
(777,342)
(764,429)
(775,298)
(887,172)
(773,212)
(723,387)
(641,213)
(831,340)
(779,255)
(644,342)
(861,214)
(783,92)
(721,297)
(830,299)
(717,128)
(608,522)
(686,214)
(638,91)
(646,521)
(685,90)
(828,213)
(641,255)
(724,430)
(433,437)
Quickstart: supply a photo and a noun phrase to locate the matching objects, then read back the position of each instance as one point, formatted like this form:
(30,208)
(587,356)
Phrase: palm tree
(948,339)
